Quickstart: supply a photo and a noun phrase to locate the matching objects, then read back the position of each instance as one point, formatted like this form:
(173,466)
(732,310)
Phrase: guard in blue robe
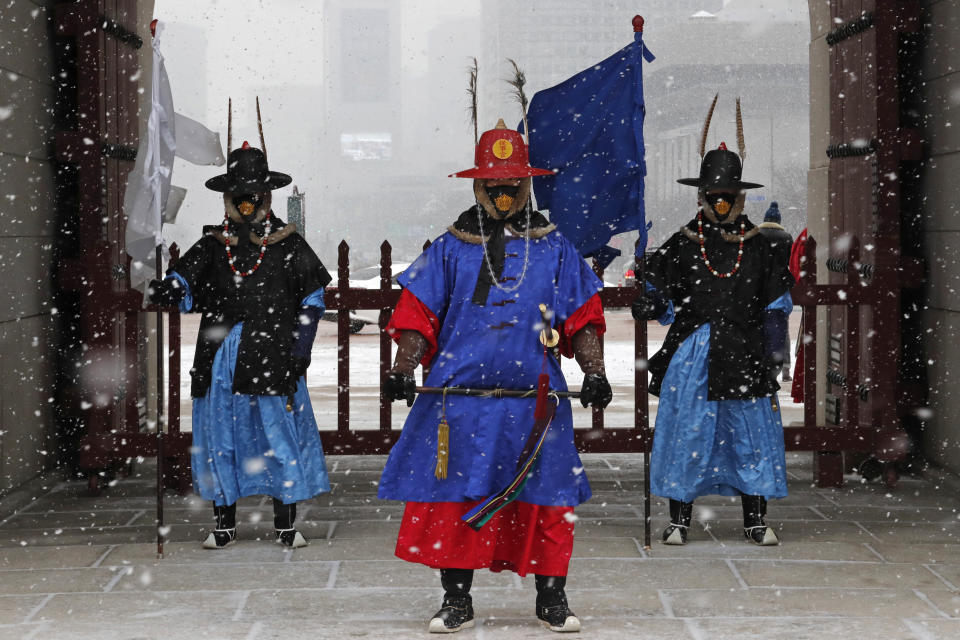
(259,288)
(718,427)
(470,310)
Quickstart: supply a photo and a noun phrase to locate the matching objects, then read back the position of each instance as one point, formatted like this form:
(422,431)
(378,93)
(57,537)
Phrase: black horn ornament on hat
(721,169)
(247,169)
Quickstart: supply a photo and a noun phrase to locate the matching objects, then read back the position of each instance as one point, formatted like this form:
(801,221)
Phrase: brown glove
(410,349)
(586,348)
(596,390)
(400,383)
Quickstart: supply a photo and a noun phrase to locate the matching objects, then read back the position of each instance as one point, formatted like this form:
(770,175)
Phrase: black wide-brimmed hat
(247,172)
(720,170)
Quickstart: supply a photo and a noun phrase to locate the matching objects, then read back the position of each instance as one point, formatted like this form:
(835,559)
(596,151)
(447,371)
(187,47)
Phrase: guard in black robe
(259,287)
(718,427)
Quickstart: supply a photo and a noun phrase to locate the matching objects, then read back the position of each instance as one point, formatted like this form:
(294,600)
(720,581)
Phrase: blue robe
(247,445)
(708,447)
(495,345)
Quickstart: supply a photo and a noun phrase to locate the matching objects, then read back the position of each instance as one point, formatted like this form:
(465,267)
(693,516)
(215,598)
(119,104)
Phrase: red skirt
(521,537)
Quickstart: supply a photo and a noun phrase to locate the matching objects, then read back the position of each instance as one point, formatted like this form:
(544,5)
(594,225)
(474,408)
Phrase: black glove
(649,305)
(298,367)
(165,293)
(595,391)
(400,386)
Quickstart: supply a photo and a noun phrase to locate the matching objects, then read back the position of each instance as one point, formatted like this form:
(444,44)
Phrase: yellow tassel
(443,449)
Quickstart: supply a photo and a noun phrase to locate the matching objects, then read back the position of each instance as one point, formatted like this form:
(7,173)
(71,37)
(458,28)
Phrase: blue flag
(589,130)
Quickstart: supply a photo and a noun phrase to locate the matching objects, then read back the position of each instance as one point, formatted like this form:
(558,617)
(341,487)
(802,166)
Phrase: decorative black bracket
(119,151)
(850,29)
(851,149)
(120,32)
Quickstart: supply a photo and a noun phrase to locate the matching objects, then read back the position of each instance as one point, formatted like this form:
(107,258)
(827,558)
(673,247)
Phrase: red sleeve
(412,315)
(797,252)
(590,313)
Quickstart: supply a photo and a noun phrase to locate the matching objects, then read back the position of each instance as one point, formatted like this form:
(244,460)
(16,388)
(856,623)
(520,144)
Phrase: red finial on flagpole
(638,24)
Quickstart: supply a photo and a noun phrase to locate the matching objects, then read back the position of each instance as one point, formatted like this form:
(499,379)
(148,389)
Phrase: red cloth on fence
(521,537)
(590,312)
(798,252)
(412,315)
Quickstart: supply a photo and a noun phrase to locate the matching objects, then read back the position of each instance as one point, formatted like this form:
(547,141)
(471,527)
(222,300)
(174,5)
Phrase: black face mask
(722,203)
(502,196)
(247,203)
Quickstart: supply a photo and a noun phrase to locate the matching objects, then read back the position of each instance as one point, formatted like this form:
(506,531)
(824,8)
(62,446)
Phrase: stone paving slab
(915,532)
(893,514)
(54,580)
(213,575)
(944,600)
(159,606)
(853,575)
(948,572)
(191,553)
(15,609)
(808,628)
(50,557)
(740,548)
(719,603)
(606,547)
(141,629)
(652,573)
(919,553)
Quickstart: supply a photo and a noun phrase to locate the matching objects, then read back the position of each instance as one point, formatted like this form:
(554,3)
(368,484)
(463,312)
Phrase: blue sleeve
(311,309)
(784,303)
(575,284)
(428,278)
(186,302)
(315,300)
(668,316)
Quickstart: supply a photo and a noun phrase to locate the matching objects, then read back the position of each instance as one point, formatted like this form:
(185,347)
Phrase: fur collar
(523,194)
(237,217)
(467,229)
(770,225)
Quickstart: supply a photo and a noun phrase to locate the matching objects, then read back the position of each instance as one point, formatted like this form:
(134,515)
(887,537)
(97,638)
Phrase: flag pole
(640,335)
(160,400)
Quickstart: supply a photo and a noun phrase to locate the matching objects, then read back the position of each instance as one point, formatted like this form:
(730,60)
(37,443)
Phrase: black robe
(733,306)
(267,302)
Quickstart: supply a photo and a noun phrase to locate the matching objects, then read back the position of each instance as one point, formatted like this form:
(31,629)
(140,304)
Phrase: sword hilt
(551,339)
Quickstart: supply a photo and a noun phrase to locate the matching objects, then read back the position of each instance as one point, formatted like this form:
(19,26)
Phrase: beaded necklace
(263,247)
(703,248)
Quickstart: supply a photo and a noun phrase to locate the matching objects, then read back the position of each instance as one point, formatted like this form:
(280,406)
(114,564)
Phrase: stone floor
(862,561)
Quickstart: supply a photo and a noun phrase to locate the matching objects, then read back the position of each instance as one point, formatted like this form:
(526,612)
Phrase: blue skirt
(703,447)
(247,445)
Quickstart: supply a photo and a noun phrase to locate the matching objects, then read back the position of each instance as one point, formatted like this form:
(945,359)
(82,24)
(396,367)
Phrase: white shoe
(763,536)
(220,539)
(290,538)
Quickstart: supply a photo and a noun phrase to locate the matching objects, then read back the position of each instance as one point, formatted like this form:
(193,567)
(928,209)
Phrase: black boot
(552,609)
(681,513)
(457,610)
(754,527)
(226,532)
(284,515)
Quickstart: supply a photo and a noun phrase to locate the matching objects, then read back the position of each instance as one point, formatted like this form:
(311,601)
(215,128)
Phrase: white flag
(148,184)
